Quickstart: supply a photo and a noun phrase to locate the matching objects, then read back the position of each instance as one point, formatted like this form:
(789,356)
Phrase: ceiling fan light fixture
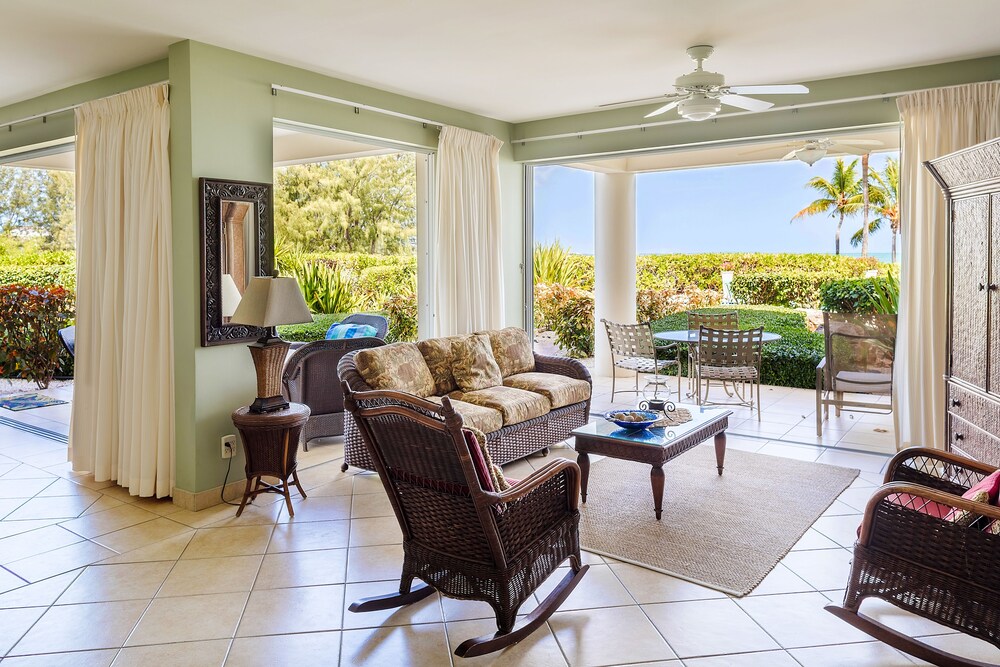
(699,107)
(810,154)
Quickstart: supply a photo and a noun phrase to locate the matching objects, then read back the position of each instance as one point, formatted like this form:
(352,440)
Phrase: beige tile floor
(92,576)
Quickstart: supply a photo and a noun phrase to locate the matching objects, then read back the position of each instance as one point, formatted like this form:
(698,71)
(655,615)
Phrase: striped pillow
(338,331)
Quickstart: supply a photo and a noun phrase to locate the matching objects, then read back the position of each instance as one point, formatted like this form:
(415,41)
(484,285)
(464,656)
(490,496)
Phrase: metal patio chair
(633,348)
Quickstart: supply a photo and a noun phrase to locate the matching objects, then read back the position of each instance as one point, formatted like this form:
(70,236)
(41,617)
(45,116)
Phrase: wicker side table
(271,443)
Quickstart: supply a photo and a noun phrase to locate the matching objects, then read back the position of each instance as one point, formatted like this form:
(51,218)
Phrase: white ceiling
(514,60)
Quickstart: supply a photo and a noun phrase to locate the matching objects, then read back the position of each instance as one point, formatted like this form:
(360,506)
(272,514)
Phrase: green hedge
(309,332)
(794,288)
(46,258)
(702,270)
(357,261)
(40,275)
(849,295)
(789,362)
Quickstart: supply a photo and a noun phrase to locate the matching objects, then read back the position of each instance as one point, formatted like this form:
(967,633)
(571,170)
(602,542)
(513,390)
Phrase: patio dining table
(692,336)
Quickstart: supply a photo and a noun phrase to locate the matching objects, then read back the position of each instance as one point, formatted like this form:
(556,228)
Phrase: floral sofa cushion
(485,419)
(512,350)
(516,405)
(437,354)
(559,389)
(473,364)
(398,366)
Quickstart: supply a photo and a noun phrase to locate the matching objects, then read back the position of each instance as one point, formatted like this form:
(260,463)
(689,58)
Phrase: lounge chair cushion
(485,419)
(398,366)
(437,353)
(515,405)
(559,389)
(473,364)
(512,350)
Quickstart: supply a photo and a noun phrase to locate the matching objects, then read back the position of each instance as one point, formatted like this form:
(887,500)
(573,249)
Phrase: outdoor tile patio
(92,576)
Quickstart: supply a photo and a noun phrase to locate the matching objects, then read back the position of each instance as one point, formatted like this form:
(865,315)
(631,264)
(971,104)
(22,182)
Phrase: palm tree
(865,204)
(887,190)
(841,196)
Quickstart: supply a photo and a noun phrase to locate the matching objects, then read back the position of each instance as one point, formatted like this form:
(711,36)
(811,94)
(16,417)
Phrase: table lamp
(268,302)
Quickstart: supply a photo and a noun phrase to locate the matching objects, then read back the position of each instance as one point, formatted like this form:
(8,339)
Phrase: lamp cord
(222,492)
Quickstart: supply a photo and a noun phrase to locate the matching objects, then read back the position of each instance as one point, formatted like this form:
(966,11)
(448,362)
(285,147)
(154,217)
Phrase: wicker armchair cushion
(516,405)
(398,366)
(512,350)
(559,389)
(485,419)
(473,364)
(437,353)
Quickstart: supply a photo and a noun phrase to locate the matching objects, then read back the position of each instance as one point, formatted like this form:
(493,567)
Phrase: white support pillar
(614,260)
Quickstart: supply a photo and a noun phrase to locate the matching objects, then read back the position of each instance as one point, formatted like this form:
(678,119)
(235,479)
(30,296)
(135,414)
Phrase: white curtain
(123,400)
(466,234)
(935,123)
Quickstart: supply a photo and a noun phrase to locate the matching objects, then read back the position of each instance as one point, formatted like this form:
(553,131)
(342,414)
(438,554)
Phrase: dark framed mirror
(237,233)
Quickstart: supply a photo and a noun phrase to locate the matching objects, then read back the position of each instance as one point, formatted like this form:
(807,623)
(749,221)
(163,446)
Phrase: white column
(614,261)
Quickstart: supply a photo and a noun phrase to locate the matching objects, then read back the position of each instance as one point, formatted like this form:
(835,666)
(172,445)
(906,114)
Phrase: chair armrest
(923,459)
(536,479)
(919,494)
(821,374)
(562,366)
(347,371)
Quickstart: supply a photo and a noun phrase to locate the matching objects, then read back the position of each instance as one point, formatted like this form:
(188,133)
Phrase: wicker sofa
(535,403)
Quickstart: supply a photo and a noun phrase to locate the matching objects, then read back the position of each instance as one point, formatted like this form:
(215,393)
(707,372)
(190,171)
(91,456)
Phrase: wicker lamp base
(269,359)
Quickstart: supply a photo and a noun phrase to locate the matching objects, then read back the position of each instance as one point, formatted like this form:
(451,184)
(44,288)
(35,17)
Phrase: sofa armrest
(347,371)
(562,366)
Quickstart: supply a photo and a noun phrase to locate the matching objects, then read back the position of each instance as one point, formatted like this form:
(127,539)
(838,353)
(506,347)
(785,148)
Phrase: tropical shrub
(652,304)
(401,311)
(795,288)
(789,362)
(554,264)
(30,319)
(861,295)
(378,284)
(569,313)
(325,289)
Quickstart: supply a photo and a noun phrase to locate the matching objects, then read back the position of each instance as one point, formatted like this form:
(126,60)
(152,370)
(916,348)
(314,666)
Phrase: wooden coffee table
(654,446)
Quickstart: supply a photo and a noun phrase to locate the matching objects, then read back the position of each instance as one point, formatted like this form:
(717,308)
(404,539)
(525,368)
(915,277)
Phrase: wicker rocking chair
(944,569)
(460,540)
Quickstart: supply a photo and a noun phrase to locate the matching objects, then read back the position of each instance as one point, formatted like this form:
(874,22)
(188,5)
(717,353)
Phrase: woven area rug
(725,532)
(28,401)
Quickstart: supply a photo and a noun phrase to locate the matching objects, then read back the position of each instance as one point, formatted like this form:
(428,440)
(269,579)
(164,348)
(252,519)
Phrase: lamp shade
(230,295)
(268,302)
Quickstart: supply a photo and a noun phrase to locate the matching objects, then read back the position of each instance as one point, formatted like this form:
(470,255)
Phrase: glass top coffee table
(653,446)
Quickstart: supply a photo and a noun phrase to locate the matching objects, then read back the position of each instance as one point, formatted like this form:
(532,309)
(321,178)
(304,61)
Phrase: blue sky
(742,208)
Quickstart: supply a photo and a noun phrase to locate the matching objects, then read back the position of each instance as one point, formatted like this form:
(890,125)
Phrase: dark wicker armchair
(460,540)
(310,377)
(944,569)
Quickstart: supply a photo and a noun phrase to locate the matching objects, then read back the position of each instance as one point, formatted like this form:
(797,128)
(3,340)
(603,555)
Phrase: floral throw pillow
(473,364)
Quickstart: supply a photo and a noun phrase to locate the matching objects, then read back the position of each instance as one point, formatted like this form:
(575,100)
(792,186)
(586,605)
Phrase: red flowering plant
(30,319)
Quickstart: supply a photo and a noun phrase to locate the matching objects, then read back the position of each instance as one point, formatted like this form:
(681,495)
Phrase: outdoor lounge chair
(461,539)
(633,348)
(925,549)
(860,352)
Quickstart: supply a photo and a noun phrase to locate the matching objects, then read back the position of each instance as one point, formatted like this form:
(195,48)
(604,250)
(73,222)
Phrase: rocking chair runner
(461,540)
(913,553)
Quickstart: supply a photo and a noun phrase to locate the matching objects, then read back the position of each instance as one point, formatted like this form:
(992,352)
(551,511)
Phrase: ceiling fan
(700,94)
(811,150)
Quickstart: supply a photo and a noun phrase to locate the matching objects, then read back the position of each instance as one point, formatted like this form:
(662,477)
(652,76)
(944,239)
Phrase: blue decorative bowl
(650,418)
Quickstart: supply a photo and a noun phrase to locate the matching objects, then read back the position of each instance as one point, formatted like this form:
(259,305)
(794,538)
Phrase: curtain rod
(886,97)
(45,114)
(357,105)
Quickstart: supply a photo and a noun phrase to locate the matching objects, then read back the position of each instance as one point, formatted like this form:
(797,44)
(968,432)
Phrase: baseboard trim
(196,501)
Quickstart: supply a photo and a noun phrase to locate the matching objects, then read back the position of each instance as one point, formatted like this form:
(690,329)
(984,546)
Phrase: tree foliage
(37,209)
(359,205)
(840,196)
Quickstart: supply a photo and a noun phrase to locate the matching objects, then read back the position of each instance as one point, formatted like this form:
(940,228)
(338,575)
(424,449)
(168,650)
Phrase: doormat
(28,402)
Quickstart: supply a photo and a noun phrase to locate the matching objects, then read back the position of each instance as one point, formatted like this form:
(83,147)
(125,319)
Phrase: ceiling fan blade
(748,103)
(790,89)
(848,148)
(769,149)
(664,109)
(859,142)
(790,155)
(655,98)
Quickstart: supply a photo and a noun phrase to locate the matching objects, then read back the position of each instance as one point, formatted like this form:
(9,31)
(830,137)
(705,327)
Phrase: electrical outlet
(228,446)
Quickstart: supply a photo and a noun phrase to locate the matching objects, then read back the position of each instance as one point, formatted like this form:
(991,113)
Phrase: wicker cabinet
(970,179)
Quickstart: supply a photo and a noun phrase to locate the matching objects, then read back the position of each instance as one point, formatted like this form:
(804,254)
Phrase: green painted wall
(60,126)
